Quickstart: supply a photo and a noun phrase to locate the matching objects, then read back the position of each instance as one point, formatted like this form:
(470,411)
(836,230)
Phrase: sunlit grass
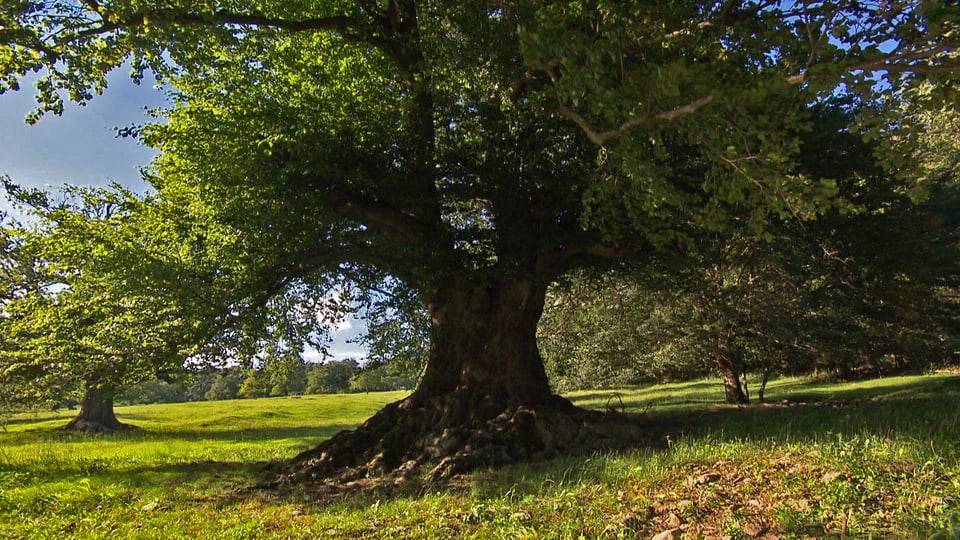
(876,457)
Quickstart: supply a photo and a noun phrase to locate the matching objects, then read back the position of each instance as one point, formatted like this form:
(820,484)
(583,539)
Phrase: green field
(879,458)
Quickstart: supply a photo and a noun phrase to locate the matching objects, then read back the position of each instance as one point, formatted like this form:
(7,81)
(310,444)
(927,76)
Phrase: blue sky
(81,148)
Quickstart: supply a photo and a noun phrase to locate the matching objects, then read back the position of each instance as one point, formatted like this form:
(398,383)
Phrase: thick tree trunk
(730,372)
(483,400)
(96,411)
(483,344)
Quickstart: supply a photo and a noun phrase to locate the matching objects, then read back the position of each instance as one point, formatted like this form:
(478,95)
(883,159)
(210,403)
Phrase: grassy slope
(880,457)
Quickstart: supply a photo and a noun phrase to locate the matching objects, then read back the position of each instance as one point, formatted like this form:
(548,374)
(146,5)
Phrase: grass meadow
(876,459)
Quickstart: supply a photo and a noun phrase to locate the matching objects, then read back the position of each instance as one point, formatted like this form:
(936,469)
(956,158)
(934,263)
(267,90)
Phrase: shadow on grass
(36,418)
(256,434)
(226,484)
(697,388)
(932,419)
(922,408)
(198,476)
(919,408)
(704,396)
(266,433)
(918,386)
(688,395)
(195,475)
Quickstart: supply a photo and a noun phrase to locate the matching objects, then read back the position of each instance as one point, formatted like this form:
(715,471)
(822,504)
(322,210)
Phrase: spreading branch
(541,73)
(601,138)
(898,63)
(374,29)
(385,219)
(338,23)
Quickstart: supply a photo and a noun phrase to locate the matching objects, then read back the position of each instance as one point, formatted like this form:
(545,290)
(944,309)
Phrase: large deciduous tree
(475,152)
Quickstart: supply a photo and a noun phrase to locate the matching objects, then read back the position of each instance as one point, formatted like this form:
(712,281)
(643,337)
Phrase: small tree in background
(332,377)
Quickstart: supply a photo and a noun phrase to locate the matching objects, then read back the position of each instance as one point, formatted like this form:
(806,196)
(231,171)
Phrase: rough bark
(96,411)
(484,400)
(483,341)
(732,389)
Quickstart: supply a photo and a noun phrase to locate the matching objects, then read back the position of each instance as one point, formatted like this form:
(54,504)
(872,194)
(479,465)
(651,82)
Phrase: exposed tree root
(448,435)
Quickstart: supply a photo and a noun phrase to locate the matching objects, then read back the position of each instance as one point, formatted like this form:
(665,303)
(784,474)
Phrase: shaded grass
(870,458)
(801,409)
(67,484)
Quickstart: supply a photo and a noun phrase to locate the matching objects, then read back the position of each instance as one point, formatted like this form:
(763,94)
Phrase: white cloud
(358,355)
(314,356)
(81,147)
(345,325)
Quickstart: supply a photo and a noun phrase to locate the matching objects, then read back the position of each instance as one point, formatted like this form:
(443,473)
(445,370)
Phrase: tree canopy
(869,287)
(475,152)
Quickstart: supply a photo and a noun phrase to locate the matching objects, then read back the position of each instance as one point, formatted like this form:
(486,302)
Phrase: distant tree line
(282,376)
